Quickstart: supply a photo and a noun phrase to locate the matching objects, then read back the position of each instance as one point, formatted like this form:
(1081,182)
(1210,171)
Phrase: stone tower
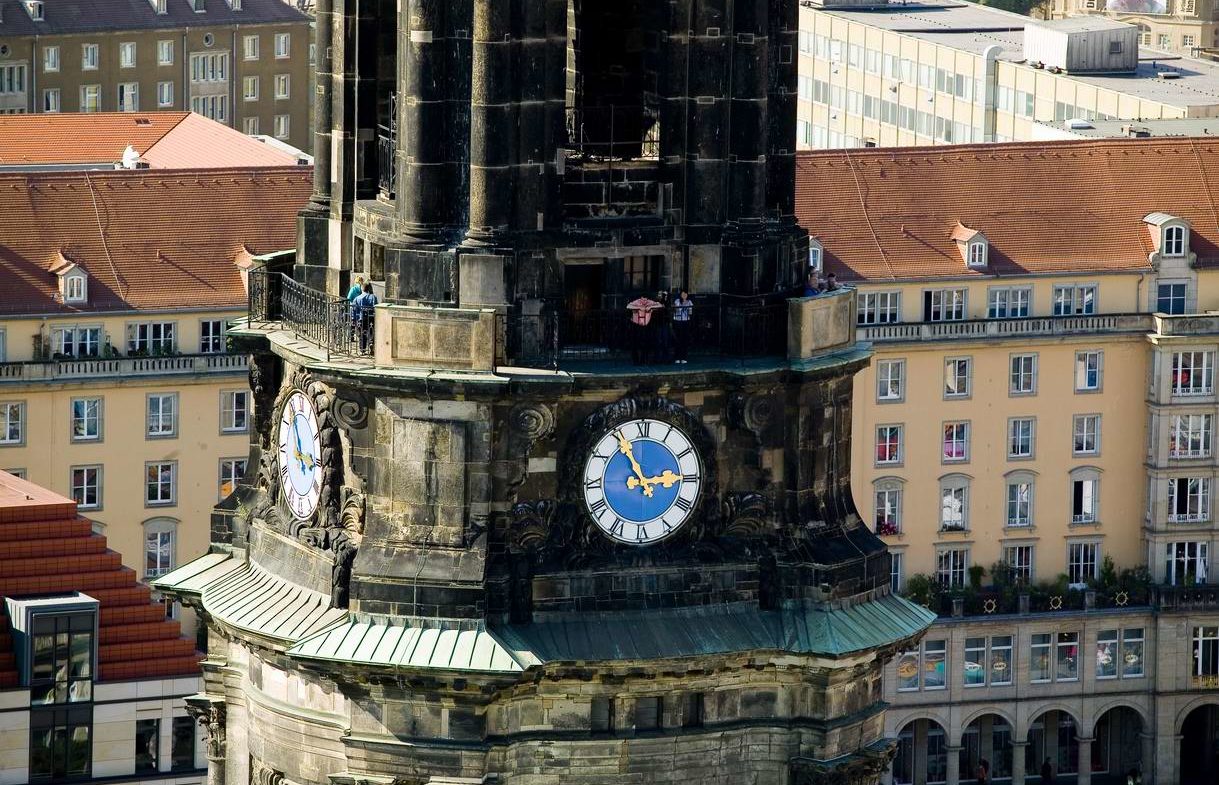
(488,549)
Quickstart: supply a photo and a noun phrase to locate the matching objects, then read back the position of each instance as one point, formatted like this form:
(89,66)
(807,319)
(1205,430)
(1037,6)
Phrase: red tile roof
(149,239)
(46,548)
(165,140)
(1044,207)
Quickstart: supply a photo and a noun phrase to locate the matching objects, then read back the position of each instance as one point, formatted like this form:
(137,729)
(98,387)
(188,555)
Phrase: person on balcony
(362,311)
(641,312)
(812,285)
(683,313)
(356,289)
(831,283)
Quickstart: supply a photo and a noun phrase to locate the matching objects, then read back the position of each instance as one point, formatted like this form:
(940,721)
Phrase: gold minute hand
(638,481)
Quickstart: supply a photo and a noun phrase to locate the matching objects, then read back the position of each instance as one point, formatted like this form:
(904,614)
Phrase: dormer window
(159,6)
(34,9)
(74,290)
(977,254)
(73,281)
(1174,241)
(815,252)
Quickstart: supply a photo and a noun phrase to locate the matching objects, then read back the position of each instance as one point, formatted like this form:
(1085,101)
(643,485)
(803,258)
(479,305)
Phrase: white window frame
(52,100)
(878,308)
(888,496)
(79,485)
(890,380)
(954,446)
(1190,436)
(165,52)
(211,336)
(249,125)
(75,289)
(127,54)
(160,547)
(155,417)
(127,96)
(1185,560)
(1075,299)
(83,412)
(945,305)
(1173,241)
(89,57)
(12,423)
(1083,427)
(954,503)
(916,661)
(231,472)
(152,337)
(952,566)
(249,88)
(249,47)
(1089,510)
(1193,373)
(283,87)
(897,573)
(50,59)
(1009,302)
(283,45)
(1022,374)
(165,94)
(958,377)
(889,431)
(87,92)
(1021,561)
(230,411)
(1177,297)
(1083,562)
(166,494)
(1021,437)
(1192,507)
(1087,363)
(282,126)
(1019,501)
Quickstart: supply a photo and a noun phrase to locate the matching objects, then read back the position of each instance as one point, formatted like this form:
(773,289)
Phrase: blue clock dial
(642,481)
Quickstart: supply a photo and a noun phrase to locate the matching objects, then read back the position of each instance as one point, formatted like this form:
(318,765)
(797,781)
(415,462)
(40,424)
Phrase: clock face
(300,456)
(642,481)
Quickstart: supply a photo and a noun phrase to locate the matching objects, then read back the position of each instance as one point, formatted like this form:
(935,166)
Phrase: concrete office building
(957,72)
(1041,405)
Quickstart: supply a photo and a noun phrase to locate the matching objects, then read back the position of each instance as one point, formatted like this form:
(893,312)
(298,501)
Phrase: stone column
(210,713)
(954,765)
(421,188)
(1085,762)
(1018,752)
(492,126)
(323,15)
(1147,761)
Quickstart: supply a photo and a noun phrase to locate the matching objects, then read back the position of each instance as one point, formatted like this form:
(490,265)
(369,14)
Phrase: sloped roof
(83,16)
(1045,207)
(165,140)
(47,548)
(150,239)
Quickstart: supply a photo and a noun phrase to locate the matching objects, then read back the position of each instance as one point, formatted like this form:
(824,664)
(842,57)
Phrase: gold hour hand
(638,481)
(667,479)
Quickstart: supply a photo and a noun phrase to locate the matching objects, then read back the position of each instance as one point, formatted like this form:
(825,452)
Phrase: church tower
(479,540)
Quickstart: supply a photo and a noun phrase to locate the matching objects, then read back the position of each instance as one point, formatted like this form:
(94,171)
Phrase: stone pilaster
(210,713)
(1018,753)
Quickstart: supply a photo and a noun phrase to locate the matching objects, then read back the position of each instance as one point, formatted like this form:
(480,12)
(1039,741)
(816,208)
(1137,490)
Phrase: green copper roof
(606,637)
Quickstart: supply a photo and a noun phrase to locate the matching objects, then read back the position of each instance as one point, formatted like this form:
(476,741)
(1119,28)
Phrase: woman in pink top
(640,310)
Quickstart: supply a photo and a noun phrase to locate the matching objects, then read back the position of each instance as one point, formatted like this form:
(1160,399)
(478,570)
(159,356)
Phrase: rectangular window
(896,559)
(1170,298)
(12,423)
(888,509)
(283,45)
(943,305)
(182,744)
(1001,665)
(87,487)
(974,671)
(952,565)
(1190,436)
(1039,657)
(1186,563)
(282,122)
(127,55)
(282,89)
(1132,653)
(890,380)
(151,338)
(129,97)
(1087,371)
(50,59)
(234,411)
(165,52)
(165,94)
(249,47)
(1019,560)
(158,552)
(90,98)
(51,101)
(1023,380)
(249,125)
(954,508)
(1106,654)
(1082,558)
(980,669)
(162,415)
(231,472)
(1074,300)
(923,668)
(61,659)
(12,80)
(77,341)
(1020,503)
(1193,373)
(1086,440)
(88,57)
(1189,499)
(209,67)
(1083,500)
(1206,653)
(147,745)
(86,419)
(1020,437)
(160,482)
(249,88)
(888,444)
(957,373)
(1067,657)
(211,336)
(648,712)
(879,307)
(956,442)
(1009,302)
(61,744)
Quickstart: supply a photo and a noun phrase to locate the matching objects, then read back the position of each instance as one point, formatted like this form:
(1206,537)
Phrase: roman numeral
(597,508)
(640,534)
(616,529)
(317,484)
(283,472)
(645,427)
(593,485)
(684,453)
(684,504)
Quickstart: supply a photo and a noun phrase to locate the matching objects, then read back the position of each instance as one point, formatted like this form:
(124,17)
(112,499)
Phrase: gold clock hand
(626,449)
(667,479)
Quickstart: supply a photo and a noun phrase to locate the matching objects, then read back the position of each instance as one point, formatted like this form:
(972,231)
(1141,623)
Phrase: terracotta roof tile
(135,640)
(80,16)
(1045,207)
(149,239)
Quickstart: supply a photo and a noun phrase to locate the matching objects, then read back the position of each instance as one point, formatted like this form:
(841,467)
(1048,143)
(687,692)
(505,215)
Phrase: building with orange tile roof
(160,140)
(92,673)
(1041,404)
(117,387)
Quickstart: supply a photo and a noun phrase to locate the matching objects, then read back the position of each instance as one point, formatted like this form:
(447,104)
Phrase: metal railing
(387,142)
(1004,328)
(319,318)
(100,367)
(614,133)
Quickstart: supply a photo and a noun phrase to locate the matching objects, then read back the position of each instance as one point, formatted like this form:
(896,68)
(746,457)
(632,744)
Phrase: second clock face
(642,481)
(300,456)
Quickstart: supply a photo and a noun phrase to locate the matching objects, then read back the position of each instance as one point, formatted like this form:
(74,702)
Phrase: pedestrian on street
(683,314)
(984,772)
(641,310)
(1047,773)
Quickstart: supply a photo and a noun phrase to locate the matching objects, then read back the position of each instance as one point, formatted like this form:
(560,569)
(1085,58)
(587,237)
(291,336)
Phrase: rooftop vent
(1082,44)
(1136,131)
(1169,74)
(1078,124)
